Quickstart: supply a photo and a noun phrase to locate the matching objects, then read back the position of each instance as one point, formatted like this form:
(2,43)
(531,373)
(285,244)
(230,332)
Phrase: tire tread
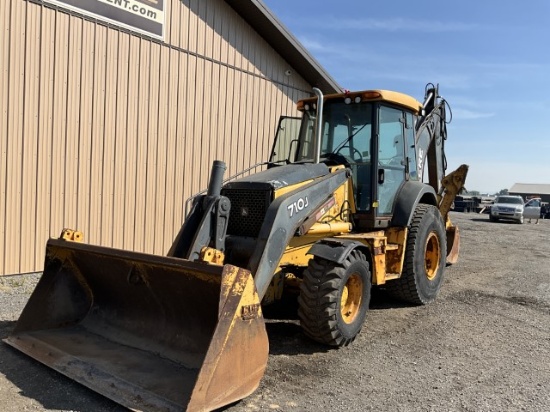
(318,300)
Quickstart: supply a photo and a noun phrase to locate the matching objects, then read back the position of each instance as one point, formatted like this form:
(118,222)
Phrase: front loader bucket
(152,333)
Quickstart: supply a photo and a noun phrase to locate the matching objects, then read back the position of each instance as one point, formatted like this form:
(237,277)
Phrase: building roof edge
(269,27)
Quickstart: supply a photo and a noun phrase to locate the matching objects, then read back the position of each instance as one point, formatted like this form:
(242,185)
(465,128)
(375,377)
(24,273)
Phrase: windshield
(509,199)
(346,130)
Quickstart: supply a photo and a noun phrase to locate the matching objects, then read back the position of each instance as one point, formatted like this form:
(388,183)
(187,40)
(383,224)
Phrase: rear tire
(334,299)
(425,257)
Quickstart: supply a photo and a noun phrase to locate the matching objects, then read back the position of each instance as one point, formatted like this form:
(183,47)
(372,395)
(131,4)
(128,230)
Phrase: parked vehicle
(509,208)
(467,204)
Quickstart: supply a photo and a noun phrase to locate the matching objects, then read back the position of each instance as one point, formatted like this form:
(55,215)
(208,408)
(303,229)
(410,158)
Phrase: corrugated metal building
(111,112)
(528,190)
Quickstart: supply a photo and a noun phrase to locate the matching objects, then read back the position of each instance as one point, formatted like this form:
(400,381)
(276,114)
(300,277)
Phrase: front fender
(336,250)
(411,194)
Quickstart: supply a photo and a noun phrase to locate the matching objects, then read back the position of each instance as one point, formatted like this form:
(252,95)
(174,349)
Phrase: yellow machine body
(185,332)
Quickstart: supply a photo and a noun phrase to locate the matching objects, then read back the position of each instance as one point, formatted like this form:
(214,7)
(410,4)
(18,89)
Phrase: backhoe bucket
(453,244)
(149,332)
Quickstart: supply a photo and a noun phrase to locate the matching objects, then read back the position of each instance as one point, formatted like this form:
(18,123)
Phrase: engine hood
(280,176)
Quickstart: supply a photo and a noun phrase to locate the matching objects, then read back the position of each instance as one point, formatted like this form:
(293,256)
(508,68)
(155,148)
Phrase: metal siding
(262,134)
(59,123)
(206,119)
(228,50)
(85,131)
(14,137)
(172,20)
(221,98)
(29,136)
(257,122)
(71,161)
(5,30)
(191,113)
(141,169)
(180,173)
(109,138)
(184,24)
(161,205)
(162,155)
(152,150)
(218,93)
(193,23)
(132,138)
(204,78)
(225,94)
(121,144)
(109,132)
(226,110)
(207,18)
(95,229)
(248,120)
(172,187)
(44,133)
(239,119)
(204,69)
(230,36)
(232,121)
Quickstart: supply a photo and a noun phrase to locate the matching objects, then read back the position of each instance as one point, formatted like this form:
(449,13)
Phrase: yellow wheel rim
(351,298)
(432,256)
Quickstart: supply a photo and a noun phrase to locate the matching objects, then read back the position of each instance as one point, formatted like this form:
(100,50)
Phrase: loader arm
(206,225)
(283,218)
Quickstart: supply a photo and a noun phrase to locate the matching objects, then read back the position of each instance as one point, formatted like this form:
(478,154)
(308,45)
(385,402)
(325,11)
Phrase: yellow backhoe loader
(356,197)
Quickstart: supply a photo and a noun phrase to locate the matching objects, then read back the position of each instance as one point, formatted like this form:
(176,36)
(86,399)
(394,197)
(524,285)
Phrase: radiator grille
(248,209)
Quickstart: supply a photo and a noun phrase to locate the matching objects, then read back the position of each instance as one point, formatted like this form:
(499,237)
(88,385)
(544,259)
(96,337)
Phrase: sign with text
(146,16)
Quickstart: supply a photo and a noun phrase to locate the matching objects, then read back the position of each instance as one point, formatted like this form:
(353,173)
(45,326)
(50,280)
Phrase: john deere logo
(244,211)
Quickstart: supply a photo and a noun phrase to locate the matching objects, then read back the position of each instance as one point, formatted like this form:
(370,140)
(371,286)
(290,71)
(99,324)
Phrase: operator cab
(371,133)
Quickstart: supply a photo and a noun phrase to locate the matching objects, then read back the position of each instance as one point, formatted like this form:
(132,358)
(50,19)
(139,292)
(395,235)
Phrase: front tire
(424,258)
(334,299)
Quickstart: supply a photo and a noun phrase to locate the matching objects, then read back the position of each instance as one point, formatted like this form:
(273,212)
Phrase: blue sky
(490,58)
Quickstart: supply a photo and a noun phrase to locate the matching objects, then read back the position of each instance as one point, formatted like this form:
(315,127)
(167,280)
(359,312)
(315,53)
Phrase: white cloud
(314,45)
(466,114)
(398,24)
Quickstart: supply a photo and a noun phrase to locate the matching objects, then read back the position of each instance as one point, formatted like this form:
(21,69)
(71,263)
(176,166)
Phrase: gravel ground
(484,345)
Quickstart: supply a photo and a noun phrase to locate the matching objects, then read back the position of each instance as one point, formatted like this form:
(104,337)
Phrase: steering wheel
(354,150)
(336,159)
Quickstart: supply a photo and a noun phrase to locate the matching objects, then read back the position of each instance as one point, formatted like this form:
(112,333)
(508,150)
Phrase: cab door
(391,158)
